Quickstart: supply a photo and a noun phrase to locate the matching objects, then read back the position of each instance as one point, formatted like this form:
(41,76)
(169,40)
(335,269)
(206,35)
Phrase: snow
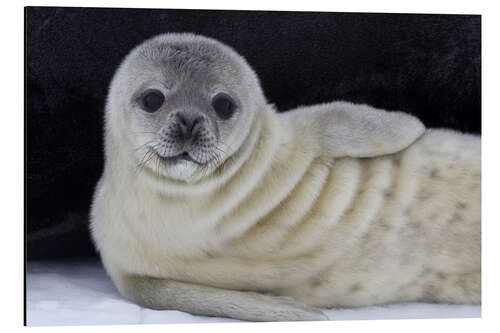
(79,292)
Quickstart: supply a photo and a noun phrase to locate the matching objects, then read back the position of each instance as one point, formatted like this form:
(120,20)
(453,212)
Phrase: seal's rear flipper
(161,294)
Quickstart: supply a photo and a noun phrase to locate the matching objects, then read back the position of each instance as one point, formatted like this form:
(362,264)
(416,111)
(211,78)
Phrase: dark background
(427,65)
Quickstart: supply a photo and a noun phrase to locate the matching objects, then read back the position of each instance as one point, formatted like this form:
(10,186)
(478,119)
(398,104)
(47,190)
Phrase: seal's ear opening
(357,130)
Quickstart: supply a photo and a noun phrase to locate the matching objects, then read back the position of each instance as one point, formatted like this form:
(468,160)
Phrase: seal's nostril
(187,124)
(196,122)
(182,119)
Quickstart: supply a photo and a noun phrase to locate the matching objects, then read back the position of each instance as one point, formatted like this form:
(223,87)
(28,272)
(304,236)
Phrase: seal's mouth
(180,157)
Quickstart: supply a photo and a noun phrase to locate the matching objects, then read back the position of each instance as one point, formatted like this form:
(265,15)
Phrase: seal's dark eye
(151,100)
(223,106)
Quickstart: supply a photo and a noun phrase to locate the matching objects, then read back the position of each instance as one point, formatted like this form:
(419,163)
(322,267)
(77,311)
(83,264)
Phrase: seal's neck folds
(250,159)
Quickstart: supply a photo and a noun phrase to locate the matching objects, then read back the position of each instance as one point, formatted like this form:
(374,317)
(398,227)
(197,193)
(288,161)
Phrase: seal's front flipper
(356,130)
(161,294)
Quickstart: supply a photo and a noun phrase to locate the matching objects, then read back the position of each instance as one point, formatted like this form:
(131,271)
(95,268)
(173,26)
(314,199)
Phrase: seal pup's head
(180,105)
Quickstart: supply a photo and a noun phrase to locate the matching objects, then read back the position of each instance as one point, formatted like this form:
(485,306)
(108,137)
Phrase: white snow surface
(79,292)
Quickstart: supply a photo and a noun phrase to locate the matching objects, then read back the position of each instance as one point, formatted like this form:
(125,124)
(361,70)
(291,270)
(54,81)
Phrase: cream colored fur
(335,205)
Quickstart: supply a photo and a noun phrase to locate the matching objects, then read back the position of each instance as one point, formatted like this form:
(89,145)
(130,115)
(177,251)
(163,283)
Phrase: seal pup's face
(181,104)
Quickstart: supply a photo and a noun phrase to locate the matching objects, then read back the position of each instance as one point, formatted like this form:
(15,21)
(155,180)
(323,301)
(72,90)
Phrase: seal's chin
(177,158)
(179,167)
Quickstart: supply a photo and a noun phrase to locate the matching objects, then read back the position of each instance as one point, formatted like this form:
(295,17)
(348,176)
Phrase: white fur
(334,205)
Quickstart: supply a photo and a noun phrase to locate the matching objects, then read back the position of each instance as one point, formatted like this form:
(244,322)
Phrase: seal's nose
(188,124)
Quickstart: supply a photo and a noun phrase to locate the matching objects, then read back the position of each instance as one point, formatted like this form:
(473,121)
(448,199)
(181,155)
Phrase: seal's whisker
(141,164)
(146,158)
(221,150)
(158,165)
(143,132)
(143,145)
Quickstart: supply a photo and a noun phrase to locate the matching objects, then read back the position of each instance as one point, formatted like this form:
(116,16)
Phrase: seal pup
(212,203)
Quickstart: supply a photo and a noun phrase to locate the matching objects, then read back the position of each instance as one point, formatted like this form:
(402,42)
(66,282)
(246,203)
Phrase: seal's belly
(328,211)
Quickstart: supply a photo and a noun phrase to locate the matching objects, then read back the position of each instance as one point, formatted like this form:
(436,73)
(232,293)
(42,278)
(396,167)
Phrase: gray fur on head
(189,70)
